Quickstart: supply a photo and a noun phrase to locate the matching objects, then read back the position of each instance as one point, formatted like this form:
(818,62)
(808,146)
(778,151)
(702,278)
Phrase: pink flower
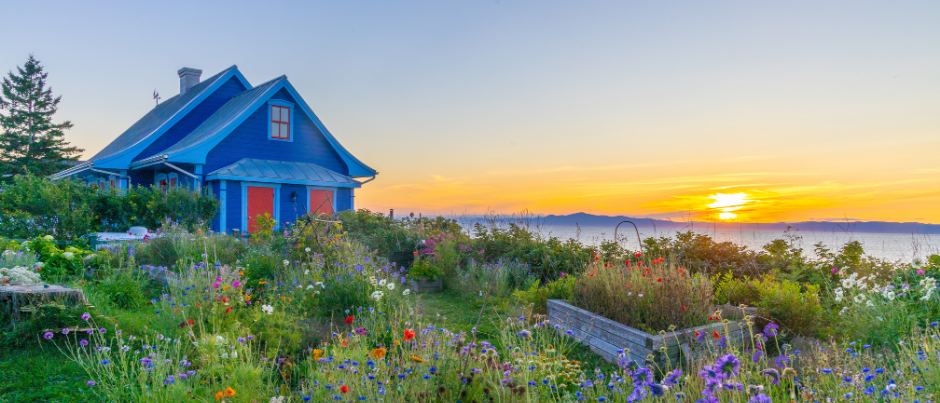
(835,270)
(216,284)
(236,283)
(920,272)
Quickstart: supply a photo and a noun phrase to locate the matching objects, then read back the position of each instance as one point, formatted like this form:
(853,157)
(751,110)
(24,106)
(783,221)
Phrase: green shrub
(68,209)
(537,296)
(124,290)
(795,307)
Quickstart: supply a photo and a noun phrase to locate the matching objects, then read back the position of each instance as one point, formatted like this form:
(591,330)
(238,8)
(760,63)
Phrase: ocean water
(893,247)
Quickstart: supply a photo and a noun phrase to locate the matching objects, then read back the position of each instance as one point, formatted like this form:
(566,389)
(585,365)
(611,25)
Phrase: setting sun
(726,216)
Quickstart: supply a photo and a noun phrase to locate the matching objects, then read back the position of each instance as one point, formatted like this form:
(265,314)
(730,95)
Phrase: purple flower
(771,329)
(102,330)
(728,365)
(835,270)
(672,378)
(90,383)
(760,398)
(85,317)
(83,343)
(773,374)
(47,336)
(782,361)
(757,356)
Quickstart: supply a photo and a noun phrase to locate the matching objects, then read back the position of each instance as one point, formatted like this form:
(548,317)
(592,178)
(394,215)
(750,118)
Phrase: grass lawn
(34,374)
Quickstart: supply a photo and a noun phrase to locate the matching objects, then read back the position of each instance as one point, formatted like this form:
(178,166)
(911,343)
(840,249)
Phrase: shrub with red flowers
(649,297)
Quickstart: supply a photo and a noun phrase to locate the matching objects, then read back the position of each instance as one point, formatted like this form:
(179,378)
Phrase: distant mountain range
(591,220)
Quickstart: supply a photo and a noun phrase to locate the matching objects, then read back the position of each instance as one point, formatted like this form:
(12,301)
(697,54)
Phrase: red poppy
(659,280)
(229,309)
(197,304)
(626,263)
(591,275)
(711,318)
(191,322)
(697,334)
(638,254)
(409,334)
(224,299)
(349,320)
(716,335)
(595,257)
(683,307)
(344,389)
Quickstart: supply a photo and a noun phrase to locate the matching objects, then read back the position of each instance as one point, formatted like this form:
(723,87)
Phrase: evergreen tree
(29,141)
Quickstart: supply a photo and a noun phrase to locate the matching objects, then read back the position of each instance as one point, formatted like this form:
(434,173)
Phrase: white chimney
(189,77)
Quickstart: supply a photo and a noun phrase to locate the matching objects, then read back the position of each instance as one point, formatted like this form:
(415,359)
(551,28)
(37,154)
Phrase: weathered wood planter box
(424,285)
(605,336)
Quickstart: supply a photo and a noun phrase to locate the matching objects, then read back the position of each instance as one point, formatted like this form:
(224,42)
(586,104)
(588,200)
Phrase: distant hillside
(590,220)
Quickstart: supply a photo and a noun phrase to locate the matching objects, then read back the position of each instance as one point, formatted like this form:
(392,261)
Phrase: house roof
(196,145)
(300,173)
(161,117)
(221,120)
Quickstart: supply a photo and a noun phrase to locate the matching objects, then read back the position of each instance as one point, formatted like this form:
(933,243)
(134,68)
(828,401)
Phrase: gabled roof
(194,147)
(146,130)
(299,173)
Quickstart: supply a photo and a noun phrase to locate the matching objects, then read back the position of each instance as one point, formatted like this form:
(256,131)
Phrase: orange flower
(716,335)
(409,334)
(378,353)
(317,353)
(218,396)
(417,359)
(229,392)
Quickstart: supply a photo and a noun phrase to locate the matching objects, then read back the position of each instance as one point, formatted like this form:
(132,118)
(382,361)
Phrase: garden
(331,310)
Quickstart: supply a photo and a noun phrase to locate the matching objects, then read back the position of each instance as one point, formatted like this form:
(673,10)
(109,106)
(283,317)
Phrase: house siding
(250,140)
(234,204)
(290,212)
(343,199)
(200,113)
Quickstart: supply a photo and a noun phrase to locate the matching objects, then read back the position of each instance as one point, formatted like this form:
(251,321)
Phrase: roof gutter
(370,179)
(180,169)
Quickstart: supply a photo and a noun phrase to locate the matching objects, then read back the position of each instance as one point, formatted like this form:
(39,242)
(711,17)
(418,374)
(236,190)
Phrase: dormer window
(280,122)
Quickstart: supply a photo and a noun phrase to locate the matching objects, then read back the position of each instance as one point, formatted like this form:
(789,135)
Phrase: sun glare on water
(725,203)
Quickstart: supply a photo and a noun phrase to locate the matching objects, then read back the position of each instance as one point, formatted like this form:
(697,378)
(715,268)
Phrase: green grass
(35,374)
(462,310)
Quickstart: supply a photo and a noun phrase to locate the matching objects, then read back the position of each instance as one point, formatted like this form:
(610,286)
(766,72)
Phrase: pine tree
(29,141)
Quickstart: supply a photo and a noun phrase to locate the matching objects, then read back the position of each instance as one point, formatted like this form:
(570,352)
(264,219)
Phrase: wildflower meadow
(323,310)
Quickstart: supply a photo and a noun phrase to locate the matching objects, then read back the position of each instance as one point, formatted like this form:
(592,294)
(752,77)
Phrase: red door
(321,201)
(260,201)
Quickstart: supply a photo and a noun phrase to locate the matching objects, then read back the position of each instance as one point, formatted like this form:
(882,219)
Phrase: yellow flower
(317,353)
(248,298)
(378,353)
(229,392)
(417,359)
(262,282)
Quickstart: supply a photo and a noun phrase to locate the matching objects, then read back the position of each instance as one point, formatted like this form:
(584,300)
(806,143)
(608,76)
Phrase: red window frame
(112,183)
(163,186)
(284,121)
(172,183)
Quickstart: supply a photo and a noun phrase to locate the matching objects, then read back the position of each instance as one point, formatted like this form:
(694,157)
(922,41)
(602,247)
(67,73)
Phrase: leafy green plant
(537,296)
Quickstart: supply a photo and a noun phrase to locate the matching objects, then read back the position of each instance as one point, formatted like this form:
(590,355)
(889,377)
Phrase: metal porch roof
(302,173)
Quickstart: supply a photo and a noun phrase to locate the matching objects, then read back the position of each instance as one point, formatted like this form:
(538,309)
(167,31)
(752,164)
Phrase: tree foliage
(30,142)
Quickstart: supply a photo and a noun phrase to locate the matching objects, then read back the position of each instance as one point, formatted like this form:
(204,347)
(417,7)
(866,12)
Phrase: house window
(112,183)
(280,122)
(172,183)
(163,186)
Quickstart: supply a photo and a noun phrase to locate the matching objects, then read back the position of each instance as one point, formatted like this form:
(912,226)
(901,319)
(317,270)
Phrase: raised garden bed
(424,285)
(605,337)
(21,299)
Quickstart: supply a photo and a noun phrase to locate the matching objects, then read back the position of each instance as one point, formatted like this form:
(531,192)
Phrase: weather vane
(156,96)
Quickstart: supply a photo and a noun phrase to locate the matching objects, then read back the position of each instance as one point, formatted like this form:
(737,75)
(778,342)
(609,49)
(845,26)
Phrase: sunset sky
(745,111)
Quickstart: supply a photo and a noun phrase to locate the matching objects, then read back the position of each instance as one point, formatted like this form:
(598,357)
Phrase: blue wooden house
(258,149)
